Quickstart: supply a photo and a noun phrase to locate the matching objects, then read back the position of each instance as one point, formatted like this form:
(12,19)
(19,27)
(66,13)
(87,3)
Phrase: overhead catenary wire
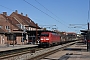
(44,13)
(6,8)
(49,10)
(45,8)
(38,9)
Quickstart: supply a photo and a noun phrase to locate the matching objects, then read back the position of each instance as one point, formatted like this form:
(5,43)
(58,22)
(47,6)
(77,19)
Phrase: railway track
(51,50)
(34,53)
(18,52)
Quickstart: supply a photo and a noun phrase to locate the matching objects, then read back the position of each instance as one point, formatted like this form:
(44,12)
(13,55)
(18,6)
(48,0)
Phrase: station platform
(77,51)
(5,47)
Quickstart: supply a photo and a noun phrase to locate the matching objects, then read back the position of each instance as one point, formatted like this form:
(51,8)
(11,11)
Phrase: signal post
(86,33)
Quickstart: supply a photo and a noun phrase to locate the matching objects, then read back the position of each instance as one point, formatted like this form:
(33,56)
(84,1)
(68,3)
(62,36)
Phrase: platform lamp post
(23,32)
(22,37)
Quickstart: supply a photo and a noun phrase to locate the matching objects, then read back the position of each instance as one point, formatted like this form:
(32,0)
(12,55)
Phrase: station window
(7,27)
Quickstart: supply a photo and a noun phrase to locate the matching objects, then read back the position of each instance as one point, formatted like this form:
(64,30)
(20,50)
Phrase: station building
(13,28)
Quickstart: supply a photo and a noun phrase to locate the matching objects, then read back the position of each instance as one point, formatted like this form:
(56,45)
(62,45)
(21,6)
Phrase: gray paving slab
(4,47)
(74,52)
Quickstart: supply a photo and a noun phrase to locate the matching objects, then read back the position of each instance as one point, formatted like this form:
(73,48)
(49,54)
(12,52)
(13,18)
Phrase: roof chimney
(5,13)
(16,11)
(26,15)
(22,14)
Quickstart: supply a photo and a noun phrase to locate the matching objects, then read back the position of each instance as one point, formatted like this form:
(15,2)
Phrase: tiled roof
(24,20)
(12,21)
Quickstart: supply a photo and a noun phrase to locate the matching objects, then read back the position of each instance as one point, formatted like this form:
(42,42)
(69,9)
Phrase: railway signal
(84,32)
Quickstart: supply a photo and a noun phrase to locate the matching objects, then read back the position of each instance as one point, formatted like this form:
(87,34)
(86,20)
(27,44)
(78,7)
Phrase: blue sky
(61,13)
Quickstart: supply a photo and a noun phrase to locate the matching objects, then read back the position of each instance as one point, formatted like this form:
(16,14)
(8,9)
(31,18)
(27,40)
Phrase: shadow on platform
(75,49)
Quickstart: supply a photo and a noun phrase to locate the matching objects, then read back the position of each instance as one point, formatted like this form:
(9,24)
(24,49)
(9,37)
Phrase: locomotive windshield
(45,35)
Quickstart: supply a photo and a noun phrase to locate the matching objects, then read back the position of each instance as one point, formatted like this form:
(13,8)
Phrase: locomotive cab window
(45,35)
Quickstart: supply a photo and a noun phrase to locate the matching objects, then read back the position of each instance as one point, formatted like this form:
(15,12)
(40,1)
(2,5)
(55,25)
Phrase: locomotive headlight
(47,39)
(41,39)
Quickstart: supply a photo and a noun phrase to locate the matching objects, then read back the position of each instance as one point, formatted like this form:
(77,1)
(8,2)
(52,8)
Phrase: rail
(33,54)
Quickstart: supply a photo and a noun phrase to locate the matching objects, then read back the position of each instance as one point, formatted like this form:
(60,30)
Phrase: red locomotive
(48,39)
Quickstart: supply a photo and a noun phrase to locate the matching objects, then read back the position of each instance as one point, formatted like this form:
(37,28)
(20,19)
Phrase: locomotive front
(44,39)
